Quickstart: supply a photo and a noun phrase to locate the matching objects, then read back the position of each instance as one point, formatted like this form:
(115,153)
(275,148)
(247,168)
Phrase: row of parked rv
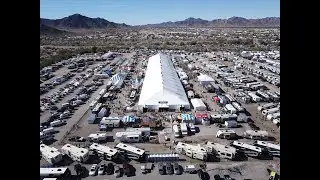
(271,112)
(57,81)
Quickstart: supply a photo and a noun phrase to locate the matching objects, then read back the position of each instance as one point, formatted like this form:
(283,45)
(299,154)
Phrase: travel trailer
(193,151)
(104,151)
(75,153)
(226,134)
(256,135)
(131,151)
(220,150)
(274,149)
(50,154)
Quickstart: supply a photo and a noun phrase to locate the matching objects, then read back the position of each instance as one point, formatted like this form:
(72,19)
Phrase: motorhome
(50,154)
(131,151)
(220,150)
(270,111)
(266,106)
(184,128)
(226,134)
(250,150)
(60,172)
(256,135)
(238,107)
(176,131)
(75,153)
(230,109)
(192,151)
(104,151)
(274,149)
(273,96)
(98,137)
(273,116)
(129,136)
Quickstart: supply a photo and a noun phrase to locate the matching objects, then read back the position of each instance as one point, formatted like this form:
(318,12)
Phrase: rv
(93,104)
(50,154)
(92,118)
(75,153)
(49,130)
(264,95)
(98,137)
(273,96)
(102,112)
(184,128)
(273,116)
(226,134)
(270,111)
(220,150)
(60,172)
(146,131)
(238,107)
(176,131)
(96,109)
(274,149)
(110,122)
(266,106)
(231,124)
(129,136)
(230,98)
(104,151)
(250,150)
(254,97)
(193,151)
(102,92)
(192,128)
(230,109)
(131,151)
(57,123)
(256,135)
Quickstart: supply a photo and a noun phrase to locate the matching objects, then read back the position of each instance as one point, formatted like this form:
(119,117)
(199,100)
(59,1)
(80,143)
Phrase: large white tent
(162,87)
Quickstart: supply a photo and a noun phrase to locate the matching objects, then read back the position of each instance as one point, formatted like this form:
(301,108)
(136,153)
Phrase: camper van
(50,154)
(61,172)
(250,150)
(238,107)
(256,135)
(222,151)
(226,134)
(270,111)
(49,130)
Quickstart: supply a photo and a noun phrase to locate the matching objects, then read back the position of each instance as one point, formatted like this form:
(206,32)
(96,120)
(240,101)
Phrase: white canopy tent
(205,79)
(162,87)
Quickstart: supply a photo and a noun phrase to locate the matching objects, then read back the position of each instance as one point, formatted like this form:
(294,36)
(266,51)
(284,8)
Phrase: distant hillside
(231,22)
(78,21)
(46,30)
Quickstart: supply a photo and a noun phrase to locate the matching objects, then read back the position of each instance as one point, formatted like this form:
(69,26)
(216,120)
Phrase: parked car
(93,170)
(162,169)
(110,169)
(169,168)
(102,169)
(117,172)
(227,177)
(177,169)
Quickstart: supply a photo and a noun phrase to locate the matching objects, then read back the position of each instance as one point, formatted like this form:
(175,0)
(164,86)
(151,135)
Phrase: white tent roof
(204,77)
(162,83)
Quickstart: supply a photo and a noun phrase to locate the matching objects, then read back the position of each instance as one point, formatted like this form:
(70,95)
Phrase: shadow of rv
(49,142)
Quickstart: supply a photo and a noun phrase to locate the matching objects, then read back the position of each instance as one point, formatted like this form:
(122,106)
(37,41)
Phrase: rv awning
(201,115)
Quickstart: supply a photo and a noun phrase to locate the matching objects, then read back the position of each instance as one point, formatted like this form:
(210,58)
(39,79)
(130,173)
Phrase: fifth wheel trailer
(75,153)
(270,111)
(266,106)
(104,151)
(50,154)
(273,116)
(221,150)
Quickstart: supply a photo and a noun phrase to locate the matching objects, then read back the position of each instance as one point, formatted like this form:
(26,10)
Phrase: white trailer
(145,131)
(266,106)
(184,128)
(129,136)
(238,107)
(264,95)
(250,150)
(270,111)
(193,151)
(104,151)
(273,116)
(198,104)
(110,122)
(252,83)
(226,134)
(98,137)
(274,149)
(131,151)
(176,131)
(60,172)
(254,97)
(57,123)
(231,124)
(50,154)
(96,109)
(230,109)
(230,98)
(75,153)
(93,104)
(256,135)
(222,151)
(49,130)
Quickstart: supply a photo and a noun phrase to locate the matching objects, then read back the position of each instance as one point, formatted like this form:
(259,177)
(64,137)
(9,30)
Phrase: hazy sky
(137,12)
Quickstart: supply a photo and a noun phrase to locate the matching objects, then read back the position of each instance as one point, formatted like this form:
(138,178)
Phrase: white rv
(254,97)
(273,116)
(248,149)
(105,151)
(176,131)
(270,111)
(129,136)
(193,151)
(221,150)
(266,106)
(131,151)
(102,92)
(110,122)
(49,130)
(256,135)
(98,137)
(75,153)
(93,104)
(238,107)
(96,109)
(50,154)
(184,128)
(145,131)
(274,149)
(57,123)
(230,109)
(60,172)
(226,134)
